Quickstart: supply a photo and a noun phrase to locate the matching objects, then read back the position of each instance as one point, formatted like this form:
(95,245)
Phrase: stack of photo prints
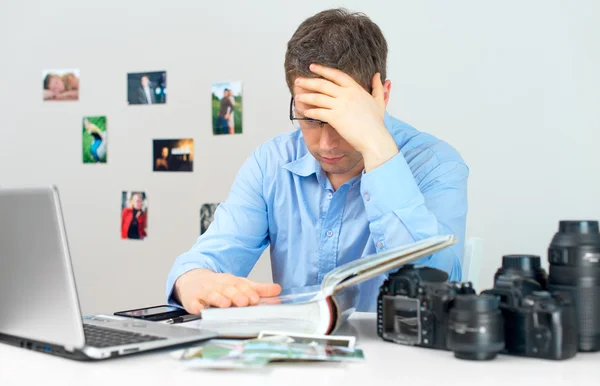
(168,154)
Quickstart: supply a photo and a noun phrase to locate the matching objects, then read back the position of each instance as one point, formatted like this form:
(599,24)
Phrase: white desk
(385,363)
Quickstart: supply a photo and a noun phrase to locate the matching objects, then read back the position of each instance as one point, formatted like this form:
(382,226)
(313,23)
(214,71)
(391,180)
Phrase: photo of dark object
(207,212)
(134,215)
(173,155)
(147,88)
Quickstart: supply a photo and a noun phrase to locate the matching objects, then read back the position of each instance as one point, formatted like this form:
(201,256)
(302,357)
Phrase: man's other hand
(200,288)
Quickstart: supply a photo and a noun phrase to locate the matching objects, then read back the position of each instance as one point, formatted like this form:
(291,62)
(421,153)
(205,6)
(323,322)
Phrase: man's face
(137,202)
(334,154)
(144,81)
(56,84)
(165,152)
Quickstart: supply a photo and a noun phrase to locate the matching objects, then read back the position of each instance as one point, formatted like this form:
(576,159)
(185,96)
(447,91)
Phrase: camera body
(537,323)
(413,306)
(518,316)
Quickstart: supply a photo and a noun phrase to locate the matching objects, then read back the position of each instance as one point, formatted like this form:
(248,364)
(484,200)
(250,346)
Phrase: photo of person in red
(134,215)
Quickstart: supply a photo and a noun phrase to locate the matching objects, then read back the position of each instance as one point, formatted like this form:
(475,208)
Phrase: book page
(294,295)
(369,266)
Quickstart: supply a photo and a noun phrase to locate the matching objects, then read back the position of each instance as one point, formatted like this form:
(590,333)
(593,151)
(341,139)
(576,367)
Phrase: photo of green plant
(94,139)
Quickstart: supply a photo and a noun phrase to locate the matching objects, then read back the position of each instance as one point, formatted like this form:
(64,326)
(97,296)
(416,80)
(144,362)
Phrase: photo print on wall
(227,108)
(147,88)
(173,155)
(60,85)
(94,139)
(207,212)
(134,215)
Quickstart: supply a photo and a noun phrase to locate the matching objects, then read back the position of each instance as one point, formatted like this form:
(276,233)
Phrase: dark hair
(338,38)
(47,79)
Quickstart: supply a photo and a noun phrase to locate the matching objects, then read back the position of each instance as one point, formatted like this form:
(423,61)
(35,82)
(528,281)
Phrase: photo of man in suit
(147,88)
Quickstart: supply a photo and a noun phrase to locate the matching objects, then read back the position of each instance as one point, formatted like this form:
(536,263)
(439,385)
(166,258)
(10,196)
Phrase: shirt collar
(303,166)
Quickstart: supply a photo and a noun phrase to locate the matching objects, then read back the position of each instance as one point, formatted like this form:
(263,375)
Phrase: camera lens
(582,227)
(574,257)
(475,327)
(528,266)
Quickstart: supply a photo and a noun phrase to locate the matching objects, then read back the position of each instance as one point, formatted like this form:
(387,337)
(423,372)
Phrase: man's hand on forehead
(357,115)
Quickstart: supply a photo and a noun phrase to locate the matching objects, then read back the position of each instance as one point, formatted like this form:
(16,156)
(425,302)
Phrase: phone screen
(152,311)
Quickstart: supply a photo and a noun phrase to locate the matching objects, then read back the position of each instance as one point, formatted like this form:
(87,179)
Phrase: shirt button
(367,197)
(379,244)
(329,195)
(329,233)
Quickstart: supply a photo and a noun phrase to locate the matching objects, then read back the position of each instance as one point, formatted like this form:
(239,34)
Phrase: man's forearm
(399,213)
(379,148)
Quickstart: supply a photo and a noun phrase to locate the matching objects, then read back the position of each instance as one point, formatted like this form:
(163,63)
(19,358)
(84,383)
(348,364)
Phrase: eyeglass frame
(292,118)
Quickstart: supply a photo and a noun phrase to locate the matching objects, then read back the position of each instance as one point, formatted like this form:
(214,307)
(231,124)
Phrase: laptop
(39,304)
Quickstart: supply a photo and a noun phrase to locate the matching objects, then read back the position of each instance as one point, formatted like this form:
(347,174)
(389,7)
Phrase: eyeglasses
(310,121)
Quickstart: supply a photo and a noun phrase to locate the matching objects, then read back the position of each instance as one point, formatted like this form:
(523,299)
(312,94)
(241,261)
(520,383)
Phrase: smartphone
(155,313)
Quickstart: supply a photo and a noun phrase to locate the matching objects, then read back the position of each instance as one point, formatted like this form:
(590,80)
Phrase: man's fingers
(195,306)
(322,86)
(265,290)
(216,299)
(237,297)
(246,289)
(317,100)
(318,114)
(333,74)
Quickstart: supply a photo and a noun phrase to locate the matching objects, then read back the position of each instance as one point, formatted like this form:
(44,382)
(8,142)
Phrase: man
(225,112)
(351,181)
(144,94)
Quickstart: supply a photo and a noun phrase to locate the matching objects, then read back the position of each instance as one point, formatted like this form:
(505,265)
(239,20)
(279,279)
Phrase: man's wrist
(378,149)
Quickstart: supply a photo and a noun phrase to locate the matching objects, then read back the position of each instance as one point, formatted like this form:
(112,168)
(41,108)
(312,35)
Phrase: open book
(317,309)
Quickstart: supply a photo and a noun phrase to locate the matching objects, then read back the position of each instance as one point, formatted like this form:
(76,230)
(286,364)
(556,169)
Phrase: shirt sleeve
(237,235)
(400,211)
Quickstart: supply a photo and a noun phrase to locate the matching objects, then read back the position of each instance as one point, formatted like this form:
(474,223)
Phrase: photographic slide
(94,140)
(134,215)
(60,85)
(173,155)
(207,212)
(227,108)
(147,88)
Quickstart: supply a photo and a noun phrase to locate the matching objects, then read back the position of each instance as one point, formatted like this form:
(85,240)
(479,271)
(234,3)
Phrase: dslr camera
(417,306)
(537,323)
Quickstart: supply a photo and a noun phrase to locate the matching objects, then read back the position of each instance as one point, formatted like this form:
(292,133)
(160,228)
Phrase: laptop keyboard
(102,337)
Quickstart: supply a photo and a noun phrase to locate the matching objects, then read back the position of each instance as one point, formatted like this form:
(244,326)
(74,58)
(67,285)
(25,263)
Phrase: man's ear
(387,89)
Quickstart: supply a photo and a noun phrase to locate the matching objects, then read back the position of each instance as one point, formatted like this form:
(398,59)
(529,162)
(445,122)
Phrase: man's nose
(330,139)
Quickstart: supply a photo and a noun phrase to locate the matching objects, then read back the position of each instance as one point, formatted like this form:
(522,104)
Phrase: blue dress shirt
(282,198)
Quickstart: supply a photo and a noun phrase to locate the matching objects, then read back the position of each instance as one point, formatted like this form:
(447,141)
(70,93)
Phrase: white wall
(513,85)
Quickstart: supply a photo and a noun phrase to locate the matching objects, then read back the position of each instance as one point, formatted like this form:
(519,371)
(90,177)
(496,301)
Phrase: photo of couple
(60,85)
(227,108)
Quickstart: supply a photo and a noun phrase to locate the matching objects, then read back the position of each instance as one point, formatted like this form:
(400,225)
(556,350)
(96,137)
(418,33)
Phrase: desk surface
(384,361)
